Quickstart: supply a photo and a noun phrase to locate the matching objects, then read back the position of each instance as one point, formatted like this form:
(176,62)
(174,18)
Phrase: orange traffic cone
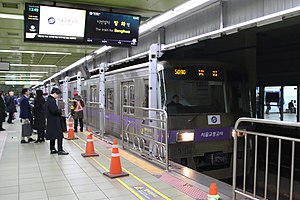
(89,150)
(213,192)
(115,163)
(71,135)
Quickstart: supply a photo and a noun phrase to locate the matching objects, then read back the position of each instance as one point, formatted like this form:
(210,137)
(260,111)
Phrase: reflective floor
(29,171)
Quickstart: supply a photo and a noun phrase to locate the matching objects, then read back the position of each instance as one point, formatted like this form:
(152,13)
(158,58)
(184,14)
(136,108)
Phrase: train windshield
(193,94)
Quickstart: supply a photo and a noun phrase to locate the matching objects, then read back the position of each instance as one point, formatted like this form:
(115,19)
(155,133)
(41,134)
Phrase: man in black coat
(2,111)
(10,107)
(54,130)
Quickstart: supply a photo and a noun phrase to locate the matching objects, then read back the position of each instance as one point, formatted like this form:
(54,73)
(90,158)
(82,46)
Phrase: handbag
(63,124)
(26,129)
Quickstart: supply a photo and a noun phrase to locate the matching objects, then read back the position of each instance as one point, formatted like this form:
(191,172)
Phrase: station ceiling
(12,39)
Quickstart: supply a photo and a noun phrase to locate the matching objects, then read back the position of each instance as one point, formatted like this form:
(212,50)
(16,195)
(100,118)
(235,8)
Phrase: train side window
(110,99)
(146,99)
(93,93)
(125,96)
(131,97)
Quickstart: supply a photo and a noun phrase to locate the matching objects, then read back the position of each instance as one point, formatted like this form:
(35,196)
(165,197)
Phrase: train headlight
(185,136)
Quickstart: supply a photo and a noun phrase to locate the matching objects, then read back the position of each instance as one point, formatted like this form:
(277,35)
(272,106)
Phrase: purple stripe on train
(205,134)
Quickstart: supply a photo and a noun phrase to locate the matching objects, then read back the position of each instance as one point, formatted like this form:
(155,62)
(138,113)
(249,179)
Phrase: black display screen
(78,26)
(195,73)
(272,97)
(112,28)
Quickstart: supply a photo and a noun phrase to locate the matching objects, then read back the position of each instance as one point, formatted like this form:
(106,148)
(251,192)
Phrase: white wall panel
(118,54)
(238,11)
(144,43)
(197,24)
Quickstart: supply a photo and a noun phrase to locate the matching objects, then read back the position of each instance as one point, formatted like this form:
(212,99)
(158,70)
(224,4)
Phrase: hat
(75,93)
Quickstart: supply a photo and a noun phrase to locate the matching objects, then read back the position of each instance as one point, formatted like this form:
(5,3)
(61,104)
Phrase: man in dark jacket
(2,111)
(25,112)
(54,130)
(10,107)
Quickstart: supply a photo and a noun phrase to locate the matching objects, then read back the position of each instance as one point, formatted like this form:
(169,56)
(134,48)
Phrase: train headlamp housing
(185,136)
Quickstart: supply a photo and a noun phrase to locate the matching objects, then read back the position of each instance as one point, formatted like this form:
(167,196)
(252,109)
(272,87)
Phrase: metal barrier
(146,133)
(92,114)
(246,134)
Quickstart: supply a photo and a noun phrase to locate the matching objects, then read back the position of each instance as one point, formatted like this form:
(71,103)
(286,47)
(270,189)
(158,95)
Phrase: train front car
(203,101)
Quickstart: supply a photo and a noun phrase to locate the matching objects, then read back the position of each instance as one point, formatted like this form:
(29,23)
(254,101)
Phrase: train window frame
(131,90)
(109,98)
(93,89)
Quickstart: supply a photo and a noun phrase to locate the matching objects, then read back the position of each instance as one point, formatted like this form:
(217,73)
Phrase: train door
(127,98)
(279,103)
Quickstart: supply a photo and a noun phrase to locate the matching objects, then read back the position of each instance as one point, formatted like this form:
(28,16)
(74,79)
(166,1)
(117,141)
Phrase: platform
(29,171)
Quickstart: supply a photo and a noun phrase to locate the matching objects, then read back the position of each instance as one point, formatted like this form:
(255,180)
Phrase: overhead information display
(112,28)
(195,72)
(67,25)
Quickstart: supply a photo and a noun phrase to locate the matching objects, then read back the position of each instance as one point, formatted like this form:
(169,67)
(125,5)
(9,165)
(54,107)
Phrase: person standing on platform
(25,112)
(39,113)
(53,129)
(10,107)
(77,111)
(2,111)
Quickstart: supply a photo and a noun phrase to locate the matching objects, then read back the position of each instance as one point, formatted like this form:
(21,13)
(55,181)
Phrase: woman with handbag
(25,115)
(39,113)
(2,111)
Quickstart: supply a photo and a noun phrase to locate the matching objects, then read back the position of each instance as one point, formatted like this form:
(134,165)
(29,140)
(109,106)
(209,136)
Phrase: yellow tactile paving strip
(133,159)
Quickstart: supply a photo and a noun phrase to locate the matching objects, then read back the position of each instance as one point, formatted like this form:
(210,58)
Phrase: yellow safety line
(137,178)
(120,181)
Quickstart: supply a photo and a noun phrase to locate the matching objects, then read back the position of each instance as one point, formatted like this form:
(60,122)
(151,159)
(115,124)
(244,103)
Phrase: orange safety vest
(78,107)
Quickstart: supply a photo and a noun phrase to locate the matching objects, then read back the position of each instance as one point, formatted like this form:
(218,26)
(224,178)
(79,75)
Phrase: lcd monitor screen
(112,29)
(79,26)
(54,24)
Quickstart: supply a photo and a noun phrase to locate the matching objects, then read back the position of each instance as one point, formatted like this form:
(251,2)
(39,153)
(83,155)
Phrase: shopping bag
(63,124)
(26,129)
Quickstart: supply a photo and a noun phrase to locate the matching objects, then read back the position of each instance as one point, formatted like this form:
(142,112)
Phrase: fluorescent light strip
(29,65)
(129,58)
(17,76)
(18,79)
(34,52)
(22,72)
(9,16)
(23,82)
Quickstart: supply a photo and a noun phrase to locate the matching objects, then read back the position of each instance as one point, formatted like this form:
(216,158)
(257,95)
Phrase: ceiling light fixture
(23,72)
(23,82)
(21,76)
(9,16)
(34,52)
(30,65)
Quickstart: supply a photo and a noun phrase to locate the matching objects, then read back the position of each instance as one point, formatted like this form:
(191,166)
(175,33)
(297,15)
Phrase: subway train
(212,96)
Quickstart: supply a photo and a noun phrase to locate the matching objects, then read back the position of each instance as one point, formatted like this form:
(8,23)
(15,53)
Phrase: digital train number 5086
(180,72)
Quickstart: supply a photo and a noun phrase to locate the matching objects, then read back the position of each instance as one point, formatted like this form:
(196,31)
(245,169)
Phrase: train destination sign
(194,72)
(112,28)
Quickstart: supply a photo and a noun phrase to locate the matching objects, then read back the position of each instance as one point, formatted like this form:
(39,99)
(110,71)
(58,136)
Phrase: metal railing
(146,133)
(92,114)
(242,135)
